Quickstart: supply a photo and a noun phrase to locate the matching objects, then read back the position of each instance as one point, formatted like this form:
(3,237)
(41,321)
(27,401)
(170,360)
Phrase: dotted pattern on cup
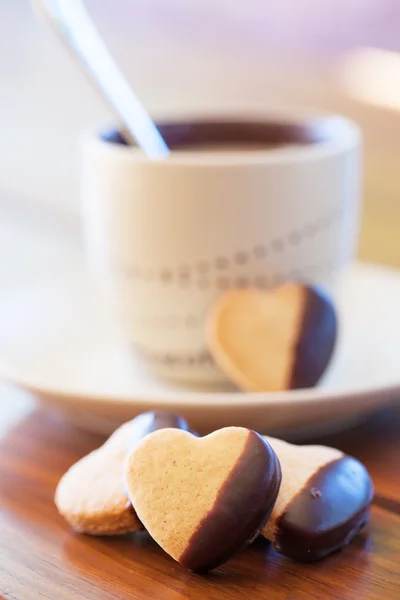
(192,321)
(212,273)
(171,359)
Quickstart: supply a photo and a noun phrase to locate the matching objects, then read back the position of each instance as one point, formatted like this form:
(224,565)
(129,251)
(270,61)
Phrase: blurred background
(186,55)
(189,55)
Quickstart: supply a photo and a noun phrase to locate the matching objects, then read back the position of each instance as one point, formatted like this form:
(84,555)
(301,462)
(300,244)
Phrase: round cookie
(203,499)
(91,495)
(273,340)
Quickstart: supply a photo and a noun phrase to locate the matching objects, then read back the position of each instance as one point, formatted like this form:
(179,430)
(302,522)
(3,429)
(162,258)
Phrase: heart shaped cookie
(203,499)
(273,340)
(91,494)
(323,501)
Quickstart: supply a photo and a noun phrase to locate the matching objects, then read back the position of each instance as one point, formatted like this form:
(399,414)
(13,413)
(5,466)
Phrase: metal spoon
(72,23)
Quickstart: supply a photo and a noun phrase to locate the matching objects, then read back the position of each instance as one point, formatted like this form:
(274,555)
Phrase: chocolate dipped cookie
(91,495)
(273,340)
(323,501)
(203,499)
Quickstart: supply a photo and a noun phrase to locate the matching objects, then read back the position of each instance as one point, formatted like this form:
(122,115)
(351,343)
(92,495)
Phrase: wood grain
(40,558)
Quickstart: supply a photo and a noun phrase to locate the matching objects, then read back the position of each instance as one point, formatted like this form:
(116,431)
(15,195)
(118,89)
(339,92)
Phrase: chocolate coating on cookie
(241,509)
(316,339)
(148,422)
(327,513)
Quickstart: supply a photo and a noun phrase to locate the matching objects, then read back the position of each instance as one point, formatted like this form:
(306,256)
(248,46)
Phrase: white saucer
(59,342)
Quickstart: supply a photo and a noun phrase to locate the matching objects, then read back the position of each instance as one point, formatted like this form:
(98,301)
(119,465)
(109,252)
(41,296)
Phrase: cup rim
(339,134)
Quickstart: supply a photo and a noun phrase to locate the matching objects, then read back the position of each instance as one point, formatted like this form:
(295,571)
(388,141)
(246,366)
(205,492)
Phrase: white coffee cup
(168,237)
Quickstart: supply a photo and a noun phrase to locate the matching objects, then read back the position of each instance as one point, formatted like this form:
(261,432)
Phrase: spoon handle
(72,23)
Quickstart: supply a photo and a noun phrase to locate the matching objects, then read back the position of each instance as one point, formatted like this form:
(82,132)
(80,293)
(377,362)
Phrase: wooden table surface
(40,558)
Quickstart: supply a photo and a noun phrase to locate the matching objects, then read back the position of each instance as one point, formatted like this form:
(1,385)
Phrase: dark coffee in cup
(228,135)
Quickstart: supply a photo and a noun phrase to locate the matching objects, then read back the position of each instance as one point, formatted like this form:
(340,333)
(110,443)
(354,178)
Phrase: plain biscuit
(91,496)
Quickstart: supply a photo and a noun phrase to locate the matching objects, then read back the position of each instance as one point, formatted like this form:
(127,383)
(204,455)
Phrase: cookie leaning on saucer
(203,499)
(91,494)
(273,340)
(323,501)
